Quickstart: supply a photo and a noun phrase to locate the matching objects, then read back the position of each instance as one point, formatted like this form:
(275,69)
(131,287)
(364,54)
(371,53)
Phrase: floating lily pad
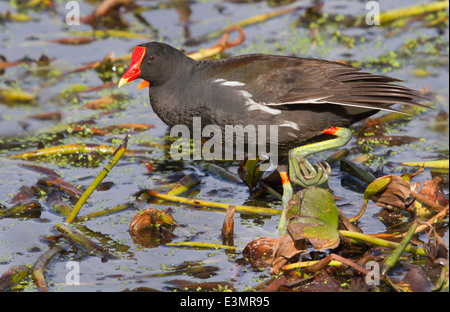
(313,215)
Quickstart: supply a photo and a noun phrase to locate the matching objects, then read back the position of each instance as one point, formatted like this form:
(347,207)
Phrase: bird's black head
(154,62)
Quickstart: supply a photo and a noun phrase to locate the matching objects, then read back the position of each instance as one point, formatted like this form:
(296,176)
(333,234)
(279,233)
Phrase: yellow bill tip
(122,82)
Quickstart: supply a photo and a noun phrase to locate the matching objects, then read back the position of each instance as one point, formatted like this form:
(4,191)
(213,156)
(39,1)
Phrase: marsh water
(415,52)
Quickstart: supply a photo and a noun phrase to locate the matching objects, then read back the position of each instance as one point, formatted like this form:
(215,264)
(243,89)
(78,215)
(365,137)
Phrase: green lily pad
(313,215)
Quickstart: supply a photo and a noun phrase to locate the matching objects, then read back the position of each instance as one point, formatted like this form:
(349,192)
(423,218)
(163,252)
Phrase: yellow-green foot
(301,171)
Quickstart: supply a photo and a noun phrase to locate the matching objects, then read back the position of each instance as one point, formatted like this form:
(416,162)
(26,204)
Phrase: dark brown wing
(281,81)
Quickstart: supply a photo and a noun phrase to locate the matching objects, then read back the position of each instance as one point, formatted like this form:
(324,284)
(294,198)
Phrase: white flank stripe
(233,83)
(224,82)
(252,105)
(310,101)
(290,124)
(246,94)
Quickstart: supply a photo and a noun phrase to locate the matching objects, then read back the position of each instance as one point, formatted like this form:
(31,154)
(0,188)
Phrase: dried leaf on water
(183,285)
(39,267)
(107,8)
(152,227)
(150,217)
(259,252)
(13,276)
(47,116)
(228,223)
(28,208)
(436,246)
(415,280)
(25,193)
(430,195)
(391,191)
(135,126)
(15,96)
(103,103)
(52,181)
(285,249)
(54,199)
(73,40)
(16,17)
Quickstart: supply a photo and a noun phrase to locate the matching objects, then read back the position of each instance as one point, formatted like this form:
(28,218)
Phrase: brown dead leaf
(228,223)
(83,130)
(152,228)
(416,280)
(391,192)
(394,194)
(276,283)
(148,218)
(73,40)
(47,116)
(321,282)
(285,249)
(25,193)
(434,191)
(153,237)
(259,252)
(371,126)
(135,126)
(436,246)
(101,103)
(108,8)
(53,181)
(183,285)
(109,5)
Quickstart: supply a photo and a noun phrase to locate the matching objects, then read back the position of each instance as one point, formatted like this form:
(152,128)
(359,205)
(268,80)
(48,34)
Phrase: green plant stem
(390,261)
(116,157)
(201,245)
(381,242)
(305,264)
(175,188)
(204,203)
(106,212)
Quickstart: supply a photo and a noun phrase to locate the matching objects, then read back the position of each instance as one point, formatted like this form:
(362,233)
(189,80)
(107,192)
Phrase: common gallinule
(312,101)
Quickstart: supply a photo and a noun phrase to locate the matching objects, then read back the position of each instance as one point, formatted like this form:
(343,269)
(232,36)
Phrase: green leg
(287,195)
(301,171)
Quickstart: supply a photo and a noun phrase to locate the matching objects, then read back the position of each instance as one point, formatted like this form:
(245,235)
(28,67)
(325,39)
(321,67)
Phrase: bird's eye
(151,58)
